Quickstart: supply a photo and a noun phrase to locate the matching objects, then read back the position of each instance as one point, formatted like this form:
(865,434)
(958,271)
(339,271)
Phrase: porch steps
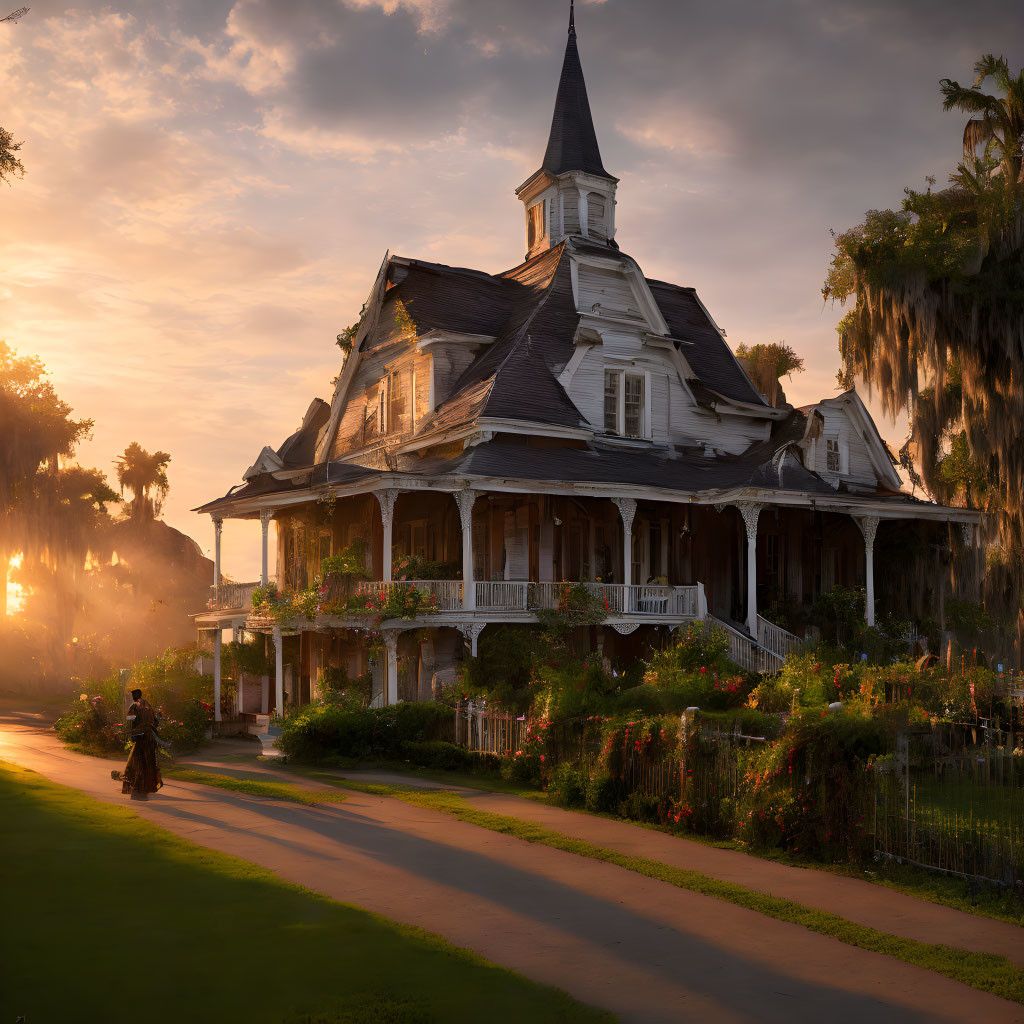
(268,742)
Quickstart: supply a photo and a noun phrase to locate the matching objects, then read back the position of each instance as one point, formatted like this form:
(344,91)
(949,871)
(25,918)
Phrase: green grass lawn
(110,918)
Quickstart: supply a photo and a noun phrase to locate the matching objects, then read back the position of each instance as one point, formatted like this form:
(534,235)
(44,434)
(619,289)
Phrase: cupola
(572,194)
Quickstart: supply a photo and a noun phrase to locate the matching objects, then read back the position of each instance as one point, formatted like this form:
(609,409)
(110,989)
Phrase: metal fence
(954,809)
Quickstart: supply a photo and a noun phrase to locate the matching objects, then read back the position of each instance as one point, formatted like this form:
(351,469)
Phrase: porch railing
(226,596)
(448,593)
(515,595)
(776,639)
(747,652)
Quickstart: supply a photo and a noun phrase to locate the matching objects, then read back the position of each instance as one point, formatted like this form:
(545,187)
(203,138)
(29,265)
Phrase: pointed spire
(572,144)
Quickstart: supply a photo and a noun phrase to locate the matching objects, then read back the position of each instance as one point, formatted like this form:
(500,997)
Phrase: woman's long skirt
(141,774)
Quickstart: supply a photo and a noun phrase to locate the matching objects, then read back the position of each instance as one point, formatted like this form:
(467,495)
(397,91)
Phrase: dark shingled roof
(438,297)
(572,144)
(519,366)
(709,355)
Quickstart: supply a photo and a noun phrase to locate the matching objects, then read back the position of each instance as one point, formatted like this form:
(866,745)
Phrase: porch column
(869,527)
(239,695)
(264,685)
(218,639)
(751,511)
(387,500)
(471,631)
(279,669)
(391,666)
(266,515)
(466,500)
(218,529)
(627,510)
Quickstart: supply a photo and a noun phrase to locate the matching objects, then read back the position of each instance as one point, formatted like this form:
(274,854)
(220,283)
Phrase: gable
(843,445)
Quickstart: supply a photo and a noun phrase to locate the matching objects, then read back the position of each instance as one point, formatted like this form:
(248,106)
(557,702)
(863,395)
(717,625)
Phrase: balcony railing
(517,596)
(448,593)
(507,595)
(228,596)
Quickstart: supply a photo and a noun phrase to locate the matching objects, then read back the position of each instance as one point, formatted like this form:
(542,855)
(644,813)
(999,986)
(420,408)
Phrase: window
(535,226)
(634,406)
(611,402)
(833,460)
(625,409)
(382,411)
(596,213)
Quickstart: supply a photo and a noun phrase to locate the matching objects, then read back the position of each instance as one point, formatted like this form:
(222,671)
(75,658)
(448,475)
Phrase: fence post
(687,727)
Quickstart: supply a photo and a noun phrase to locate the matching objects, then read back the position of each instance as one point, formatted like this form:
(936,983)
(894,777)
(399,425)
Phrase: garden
(177,688)
(837,758)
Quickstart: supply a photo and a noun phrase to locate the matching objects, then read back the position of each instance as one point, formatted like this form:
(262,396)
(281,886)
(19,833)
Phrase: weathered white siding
(610,291)
(855,460)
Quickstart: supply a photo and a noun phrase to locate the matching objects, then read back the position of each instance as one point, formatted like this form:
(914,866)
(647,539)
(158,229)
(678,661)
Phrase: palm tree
(1000,128)
(145,475)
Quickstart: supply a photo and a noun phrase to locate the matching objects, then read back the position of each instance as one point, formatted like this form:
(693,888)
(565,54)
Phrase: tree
(10,165)
(937,324)
(768,363)
(37,430)
(145,475)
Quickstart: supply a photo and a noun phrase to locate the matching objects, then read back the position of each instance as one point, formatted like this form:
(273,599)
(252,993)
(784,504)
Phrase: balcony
(519,599)
(230,596)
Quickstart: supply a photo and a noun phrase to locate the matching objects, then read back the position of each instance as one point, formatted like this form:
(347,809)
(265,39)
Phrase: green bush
(603,792)
(348,564)
(503,670)
(839,614)
(437,754)
(568,785)
(641,807)
(318,732)
(187,731)
(702,645)
(93,726)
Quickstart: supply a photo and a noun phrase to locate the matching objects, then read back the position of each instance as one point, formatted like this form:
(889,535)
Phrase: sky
(211,185)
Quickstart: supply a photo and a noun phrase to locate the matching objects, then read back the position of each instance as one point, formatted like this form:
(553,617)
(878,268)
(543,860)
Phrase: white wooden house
(568,419)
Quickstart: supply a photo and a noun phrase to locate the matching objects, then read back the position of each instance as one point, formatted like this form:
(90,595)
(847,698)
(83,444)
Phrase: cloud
(212,183)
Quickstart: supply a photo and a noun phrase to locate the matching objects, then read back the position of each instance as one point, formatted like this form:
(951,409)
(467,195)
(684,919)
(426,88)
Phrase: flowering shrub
(413,567)
(347,564)
(810,792)
(530,764)
(187,728)
(702,644)
(93,726)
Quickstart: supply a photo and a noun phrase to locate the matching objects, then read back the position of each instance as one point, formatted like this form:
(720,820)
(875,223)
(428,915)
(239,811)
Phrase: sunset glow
(15,591)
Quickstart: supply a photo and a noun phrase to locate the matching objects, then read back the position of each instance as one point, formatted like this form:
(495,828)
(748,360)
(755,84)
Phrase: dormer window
(536,224)
(625,403)
(833,456)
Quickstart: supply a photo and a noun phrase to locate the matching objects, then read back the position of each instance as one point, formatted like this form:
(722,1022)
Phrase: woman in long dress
(141,775)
